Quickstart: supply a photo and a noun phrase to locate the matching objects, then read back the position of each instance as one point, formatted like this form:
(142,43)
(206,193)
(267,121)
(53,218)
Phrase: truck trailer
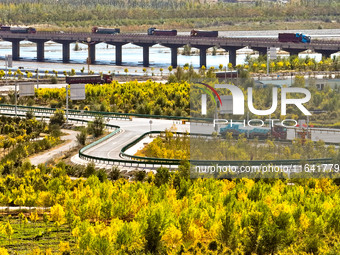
(23,30)
(89,79)
(201,33)
(5,28)
(103,30)
(154,31)
(294,37)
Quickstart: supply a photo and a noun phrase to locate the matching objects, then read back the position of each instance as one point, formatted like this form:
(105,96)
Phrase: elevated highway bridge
(230,44)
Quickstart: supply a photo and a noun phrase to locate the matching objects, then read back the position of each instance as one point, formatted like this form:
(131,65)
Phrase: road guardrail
(157,162)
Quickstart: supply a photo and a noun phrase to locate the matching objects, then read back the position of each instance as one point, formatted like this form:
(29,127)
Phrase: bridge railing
(179,39)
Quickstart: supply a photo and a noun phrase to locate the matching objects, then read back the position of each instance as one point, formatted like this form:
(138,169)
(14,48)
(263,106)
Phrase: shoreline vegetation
(184,15)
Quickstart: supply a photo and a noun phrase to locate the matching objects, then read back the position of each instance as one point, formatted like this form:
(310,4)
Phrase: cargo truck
(103,30)
(277,131)
(5,28)
(23,30)
(154,31)
(89,79)
(294,37)
(201,33)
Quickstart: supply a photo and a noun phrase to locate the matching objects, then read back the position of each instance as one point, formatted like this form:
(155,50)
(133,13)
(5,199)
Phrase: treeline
(131,97)
(20,138)
(175,97)
(168,14)
(156,3)
(168,213)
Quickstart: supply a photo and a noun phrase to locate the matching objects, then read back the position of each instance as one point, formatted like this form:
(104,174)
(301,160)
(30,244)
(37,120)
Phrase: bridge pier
(203,53)
(203,56)
(146,46)
(174,56)
(15,49)
(92,49)
(40,49)
(66,52)
(232,54)
(119,54)
(326,53)
(146,61)
(173,49)
(293,51)
(261,50)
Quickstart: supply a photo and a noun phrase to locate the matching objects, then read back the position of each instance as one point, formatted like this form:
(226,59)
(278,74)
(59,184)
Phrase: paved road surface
(131,130)
(55,152)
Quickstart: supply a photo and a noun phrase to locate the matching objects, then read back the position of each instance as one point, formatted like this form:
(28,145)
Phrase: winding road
(71,142)
(132,129)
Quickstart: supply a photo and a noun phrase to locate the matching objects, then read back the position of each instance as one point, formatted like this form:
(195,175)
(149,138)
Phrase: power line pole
(67,103)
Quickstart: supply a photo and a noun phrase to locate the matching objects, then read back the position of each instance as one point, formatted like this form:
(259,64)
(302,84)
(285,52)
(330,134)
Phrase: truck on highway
(154,31)
(294,37)
(5,28)
(23,30)
(89,79)
(277,131)
(103,30)
(227,74)
(202,33)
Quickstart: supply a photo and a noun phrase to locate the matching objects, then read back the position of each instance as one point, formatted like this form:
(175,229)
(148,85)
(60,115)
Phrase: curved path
(131,130)
(71,142)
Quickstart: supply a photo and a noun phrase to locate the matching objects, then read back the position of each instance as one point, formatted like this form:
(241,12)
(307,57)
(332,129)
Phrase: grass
(30,236)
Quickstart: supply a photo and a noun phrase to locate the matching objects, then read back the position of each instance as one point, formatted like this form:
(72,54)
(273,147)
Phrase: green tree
(57,215)
(97,126)
(58,118)
(9,231)
(81,137)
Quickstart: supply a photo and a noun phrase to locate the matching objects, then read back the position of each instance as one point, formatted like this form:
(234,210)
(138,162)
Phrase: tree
(114,174)
(140,175)
(162,176)
(161,70)
(97,126)
(126,71)
(3,251)
(9,231)
(58,117)
(90,169)
(81,137)
(57,215)
(34,217)
(29,115)
(55,130)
